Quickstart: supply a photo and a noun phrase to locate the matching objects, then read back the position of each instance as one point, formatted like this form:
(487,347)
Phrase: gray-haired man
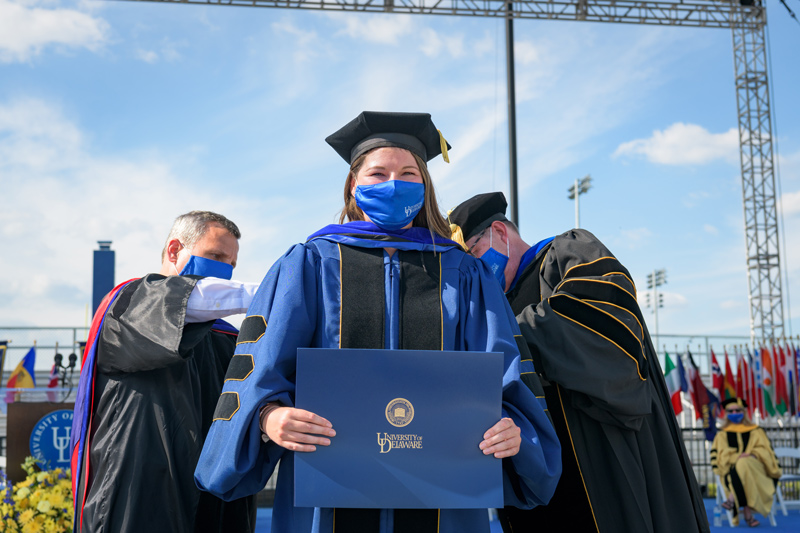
(160,359)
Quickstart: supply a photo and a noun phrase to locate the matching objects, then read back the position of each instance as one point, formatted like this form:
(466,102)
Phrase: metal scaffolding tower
(758,177)
(746,18)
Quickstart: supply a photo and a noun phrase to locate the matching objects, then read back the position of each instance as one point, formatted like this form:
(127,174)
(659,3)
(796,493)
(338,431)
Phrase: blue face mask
(391,205)
(736,418)
(200,266)
(497,262)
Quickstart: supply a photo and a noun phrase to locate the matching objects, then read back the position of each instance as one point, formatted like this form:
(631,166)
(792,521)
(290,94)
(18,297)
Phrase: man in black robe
(160,359)
(625,467)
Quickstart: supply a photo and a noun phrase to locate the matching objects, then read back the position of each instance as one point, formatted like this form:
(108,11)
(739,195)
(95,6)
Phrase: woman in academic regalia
(387,277)
(742,457)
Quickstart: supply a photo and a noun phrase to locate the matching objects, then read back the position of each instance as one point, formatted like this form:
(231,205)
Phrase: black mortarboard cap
(739,401)
(375,129)
(476,214)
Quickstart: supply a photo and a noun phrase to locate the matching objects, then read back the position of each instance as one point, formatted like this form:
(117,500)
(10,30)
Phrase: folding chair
(720,513)
(790,453)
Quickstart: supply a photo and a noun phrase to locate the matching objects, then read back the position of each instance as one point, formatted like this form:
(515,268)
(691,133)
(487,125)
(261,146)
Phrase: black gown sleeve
(145,327)
(586,334)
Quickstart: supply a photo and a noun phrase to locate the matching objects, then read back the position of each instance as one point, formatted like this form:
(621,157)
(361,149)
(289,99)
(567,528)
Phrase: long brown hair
(428,217)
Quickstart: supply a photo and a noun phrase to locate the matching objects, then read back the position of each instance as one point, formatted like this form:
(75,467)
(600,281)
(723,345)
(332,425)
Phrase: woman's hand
(502,439)
(297,430)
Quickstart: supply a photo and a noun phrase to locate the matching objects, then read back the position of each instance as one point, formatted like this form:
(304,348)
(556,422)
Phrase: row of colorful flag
(766,378)
(686,378)
(23,377)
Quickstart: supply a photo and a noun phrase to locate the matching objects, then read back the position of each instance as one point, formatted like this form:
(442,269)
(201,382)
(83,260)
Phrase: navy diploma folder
(408,424)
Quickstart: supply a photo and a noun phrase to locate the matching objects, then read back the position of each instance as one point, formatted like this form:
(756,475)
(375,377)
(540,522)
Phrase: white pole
(655,301)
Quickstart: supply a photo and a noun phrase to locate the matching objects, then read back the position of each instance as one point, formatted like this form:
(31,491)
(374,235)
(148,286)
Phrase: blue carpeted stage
(264,520)
(786,524)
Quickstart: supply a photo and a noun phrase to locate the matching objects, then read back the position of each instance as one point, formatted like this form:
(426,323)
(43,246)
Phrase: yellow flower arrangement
(42,502)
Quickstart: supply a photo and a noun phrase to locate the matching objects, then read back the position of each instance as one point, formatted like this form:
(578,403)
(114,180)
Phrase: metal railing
(700,346)
(22,339)
(39,394)
(45,338)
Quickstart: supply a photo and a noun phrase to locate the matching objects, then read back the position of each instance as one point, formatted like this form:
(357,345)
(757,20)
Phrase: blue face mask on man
(391,205)
(200,266)
(496,261)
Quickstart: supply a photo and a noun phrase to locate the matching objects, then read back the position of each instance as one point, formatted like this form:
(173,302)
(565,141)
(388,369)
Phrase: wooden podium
(22,418)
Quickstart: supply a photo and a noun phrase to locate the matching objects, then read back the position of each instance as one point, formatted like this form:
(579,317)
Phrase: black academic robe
(157,384)
(625,468)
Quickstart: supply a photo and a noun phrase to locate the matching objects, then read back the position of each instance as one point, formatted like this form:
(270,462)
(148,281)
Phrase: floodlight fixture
(581,186)
(657,278)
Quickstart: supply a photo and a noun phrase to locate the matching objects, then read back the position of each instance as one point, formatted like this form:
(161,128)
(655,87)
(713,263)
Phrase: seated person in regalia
(742,457)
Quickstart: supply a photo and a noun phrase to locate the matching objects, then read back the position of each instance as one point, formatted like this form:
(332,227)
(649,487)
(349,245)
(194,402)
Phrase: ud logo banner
(50,439)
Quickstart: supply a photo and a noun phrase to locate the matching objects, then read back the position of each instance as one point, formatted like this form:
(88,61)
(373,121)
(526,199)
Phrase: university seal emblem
(399,412)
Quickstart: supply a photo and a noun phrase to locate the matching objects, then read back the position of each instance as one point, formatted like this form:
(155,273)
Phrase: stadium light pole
(581,186)
(512,115)
(656,279)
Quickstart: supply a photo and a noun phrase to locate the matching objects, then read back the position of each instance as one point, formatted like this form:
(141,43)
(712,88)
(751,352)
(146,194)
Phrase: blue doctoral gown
(299,301)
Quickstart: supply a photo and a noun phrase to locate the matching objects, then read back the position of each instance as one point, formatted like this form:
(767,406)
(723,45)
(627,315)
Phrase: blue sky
(117,116)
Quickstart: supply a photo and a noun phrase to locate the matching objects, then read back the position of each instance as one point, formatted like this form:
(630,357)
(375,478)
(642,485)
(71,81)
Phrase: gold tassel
(456,235)
(443,144)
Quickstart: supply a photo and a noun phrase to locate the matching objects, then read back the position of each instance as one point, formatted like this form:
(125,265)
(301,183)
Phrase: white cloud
(454,44)
(632,239)
(35,137)
(684,144)
(430,43)
(694,198)
(306,43)
(473,136)
(433,43)
(668,299)
(674,299)
(790,203)
(731,304)
(710,229)
(382,29)
(404,30)
(59,198)
(484,46)
(167,51)
(26,29)
(789,166)
(526,52)
(148,56)
(285,62)
(574,99)
(636,236)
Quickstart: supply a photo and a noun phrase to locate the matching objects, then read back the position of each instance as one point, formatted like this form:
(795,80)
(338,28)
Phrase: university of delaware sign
(50,439)
(388,442)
